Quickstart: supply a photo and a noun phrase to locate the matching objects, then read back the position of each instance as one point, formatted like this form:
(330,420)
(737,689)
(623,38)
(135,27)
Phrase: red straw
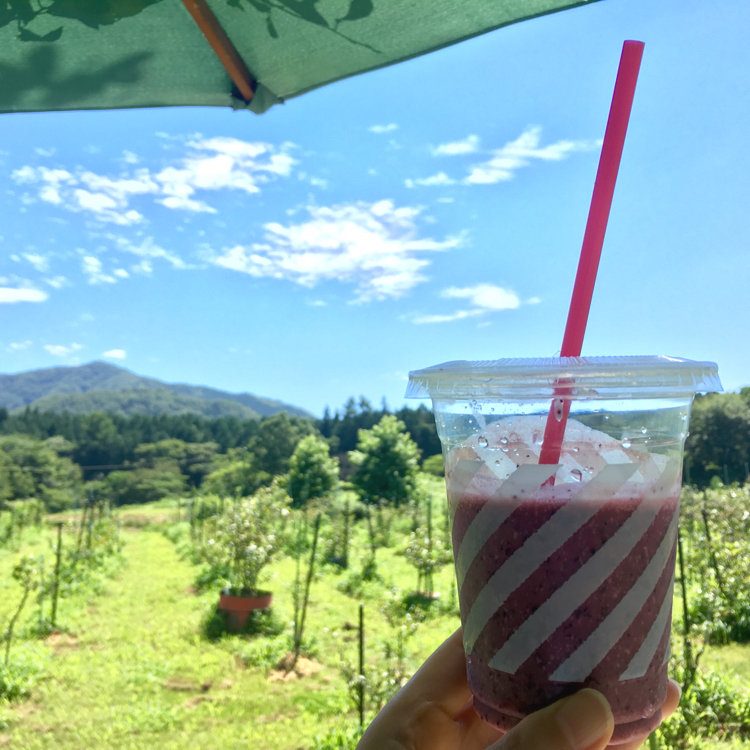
(593,238)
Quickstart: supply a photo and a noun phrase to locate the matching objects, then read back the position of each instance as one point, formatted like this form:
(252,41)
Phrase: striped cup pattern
(566,585)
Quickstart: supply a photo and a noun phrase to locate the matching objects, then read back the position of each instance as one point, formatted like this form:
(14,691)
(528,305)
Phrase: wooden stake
(56,582)
(361,681)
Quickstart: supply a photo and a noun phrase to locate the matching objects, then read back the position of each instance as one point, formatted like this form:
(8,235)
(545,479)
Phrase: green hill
(148,401)
(99,386)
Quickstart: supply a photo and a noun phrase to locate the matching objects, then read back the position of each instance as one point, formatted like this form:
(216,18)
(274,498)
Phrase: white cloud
(57,282)
(18,346)
(39,262)
(439,179)
(482,299)
(228,164)
(458,315)
(50,194)
(145,268)
(9,295)
(469,145)
(95,202)
(103,205)
(94,270)
(380,129)
(27,175)
(116,266)
(115,354)
(211,164)
(376,247)
(485,296)
(60,350)
(503,162)
(52,182)
(519,153)
(147,249)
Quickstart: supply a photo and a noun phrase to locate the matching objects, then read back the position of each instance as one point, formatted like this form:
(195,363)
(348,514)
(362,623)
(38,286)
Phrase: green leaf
(358,9)
(305,9)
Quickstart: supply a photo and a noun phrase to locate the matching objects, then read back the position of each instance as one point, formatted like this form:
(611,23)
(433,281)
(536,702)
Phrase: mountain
(99,386)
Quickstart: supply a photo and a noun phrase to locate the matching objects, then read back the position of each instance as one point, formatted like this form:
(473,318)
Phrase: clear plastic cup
(565,570)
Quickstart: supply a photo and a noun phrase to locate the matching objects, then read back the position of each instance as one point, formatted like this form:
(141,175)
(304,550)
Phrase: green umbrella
(109,54)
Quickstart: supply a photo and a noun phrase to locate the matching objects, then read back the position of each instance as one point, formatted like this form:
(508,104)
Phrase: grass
(130,668)
(133,672)
(731,661)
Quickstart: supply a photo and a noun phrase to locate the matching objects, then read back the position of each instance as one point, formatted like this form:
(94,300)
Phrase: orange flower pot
(238,608)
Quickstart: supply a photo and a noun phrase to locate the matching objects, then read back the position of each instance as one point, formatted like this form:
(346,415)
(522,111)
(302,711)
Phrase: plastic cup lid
(581,377)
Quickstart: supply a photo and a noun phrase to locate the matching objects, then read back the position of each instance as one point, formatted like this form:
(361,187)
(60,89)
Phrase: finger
(674,693)
(667,709)
(441,680)
(580,722)
(421,714)
(476,734)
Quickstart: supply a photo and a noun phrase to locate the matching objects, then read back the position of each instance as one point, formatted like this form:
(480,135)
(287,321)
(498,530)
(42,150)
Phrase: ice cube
(461,466)
(498,462)
(504,445)
(662,473)
(615,455)
(608,482)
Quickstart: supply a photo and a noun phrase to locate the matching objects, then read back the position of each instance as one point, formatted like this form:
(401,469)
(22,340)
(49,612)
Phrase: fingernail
(585,718)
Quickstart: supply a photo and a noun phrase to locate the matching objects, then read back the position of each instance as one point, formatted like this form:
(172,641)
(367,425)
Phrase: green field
(130,667)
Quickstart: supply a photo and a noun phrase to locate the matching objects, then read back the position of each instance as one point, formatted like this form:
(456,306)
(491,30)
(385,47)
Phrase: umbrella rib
(222,46)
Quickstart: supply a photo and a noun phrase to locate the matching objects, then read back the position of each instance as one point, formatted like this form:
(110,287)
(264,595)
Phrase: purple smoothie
(560,592)
(565,569)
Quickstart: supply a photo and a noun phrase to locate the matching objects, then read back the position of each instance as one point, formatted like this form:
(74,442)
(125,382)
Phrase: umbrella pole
(222,46)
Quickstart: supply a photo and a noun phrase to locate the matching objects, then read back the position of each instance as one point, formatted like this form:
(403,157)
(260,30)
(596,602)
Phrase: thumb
(580,722)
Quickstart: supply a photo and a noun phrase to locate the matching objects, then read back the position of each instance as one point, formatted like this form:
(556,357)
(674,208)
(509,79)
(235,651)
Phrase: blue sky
(430,211)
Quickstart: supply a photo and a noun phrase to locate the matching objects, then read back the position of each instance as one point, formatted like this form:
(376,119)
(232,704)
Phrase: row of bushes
(84,553)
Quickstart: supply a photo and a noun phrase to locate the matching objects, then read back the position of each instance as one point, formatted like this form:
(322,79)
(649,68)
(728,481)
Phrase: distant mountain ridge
(99,386)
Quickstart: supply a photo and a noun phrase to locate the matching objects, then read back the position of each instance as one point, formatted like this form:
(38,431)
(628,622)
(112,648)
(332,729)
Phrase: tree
(274,443)
(420,423)
(434,465)
(142,485)
(236,476)
(312,472)
(193,460)
(98,444)
(386,462)
(31,468)
(719,441)
(14,483)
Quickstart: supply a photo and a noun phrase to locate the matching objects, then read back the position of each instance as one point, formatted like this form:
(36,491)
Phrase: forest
(134,459)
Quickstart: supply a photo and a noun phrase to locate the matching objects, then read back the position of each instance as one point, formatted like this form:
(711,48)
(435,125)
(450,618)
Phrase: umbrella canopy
(109,54)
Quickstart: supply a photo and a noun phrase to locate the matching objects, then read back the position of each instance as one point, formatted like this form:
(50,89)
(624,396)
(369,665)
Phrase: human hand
(433,711)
